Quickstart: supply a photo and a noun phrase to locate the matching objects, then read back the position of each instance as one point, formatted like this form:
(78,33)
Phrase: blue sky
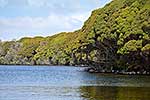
(21,18)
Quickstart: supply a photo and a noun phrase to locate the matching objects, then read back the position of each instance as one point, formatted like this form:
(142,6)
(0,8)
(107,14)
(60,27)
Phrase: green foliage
(130,46)
(120,32)
(146,47)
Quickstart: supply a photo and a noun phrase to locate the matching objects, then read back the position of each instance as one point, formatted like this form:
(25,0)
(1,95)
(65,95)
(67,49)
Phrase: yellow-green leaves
(146,47)
(130,46)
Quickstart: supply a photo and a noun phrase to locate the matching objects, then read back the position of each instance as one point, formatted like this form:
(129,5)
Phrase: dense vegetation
(115,38)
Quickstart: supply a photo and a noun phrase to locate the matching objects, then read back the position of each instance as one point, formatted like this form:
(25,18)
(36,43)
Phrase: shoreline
(116,72)
(90,69)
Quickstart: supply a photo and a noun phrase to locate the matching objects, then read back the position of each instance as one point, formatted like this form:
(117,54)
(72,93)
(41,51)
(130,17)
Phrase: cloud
(20,18)
(43,22)
(43,25)
(63,6)
(37,3)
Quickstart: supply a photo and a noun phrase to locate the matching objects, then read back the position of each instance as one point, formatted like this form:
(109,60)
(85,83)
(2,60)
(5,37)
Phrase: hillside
(116,38)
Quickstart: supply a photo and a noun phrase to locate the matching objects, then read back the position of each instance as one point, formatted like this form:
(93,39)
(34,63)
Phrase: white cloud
(37,3)
(41,22)
(31,17)
(52,24)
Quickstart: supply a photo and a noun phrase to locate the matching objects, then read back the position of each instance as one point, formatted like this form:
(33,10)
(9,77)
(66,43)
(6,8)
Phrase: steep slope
(121,33)
(116,38)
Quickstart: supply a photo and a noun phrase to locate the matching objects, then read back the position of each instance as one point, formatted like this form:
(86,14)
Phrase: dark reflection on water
(115,93)
(69,83)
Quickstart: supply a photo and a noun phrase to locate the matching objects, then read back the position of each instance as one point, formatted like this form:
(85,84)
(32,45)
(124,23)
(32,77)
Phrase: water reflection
(115,93)
(69,83)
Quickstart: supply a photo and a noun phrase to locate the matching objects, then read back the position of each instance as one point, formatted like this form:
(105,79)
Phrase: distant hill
(116,38)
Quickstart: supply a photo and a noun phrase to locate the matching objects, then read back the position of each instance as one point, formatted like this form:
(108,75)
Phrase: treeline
(116,38)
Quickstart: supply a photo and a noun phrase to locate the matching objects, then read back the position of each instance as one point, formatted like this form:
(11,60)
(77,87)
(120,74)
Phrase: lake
(69,83)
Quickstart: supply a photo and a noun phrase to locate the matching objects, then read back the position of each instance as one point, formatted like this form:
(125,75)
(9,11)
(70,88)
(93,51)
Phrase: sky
(28,18)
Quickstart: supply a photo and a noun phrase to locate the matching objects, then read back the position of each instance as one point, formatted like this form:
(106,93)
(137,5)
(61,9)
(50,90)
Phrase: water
(69,83)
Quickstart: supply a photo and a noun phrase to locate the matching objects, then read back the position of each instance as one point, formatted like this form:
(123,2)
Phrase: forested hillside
(116,38)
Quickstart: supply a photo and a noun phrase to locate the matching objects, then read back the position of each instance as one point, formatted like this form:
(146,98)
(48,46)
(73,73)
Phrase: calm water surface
(69,83)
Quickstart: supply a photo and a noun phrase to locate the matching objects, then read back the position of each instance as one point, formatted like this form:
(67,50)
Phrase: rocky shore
(93,70)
